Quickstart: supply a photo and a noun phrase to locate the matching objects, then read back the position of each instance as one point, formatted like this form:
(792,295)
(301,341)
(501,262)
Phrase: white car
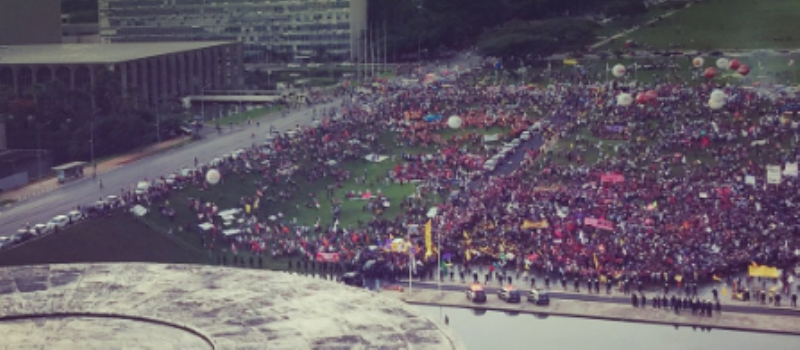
(516,142)
(142,187)
(526,135)
(75,216)
(42,229)
(59,222)
(293,65)
(4,241)
(172,180)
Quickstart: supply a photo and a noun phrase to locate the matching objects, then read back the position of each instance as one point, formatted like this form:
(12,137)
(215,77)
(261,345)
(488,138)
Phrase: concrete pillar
(216,67)
(180,66)
(164,78)
(239,72)
(173,74)
(123,71)
(15,79)
(208,72)
(142,81)
(3,139)
(155,86)
(193,78)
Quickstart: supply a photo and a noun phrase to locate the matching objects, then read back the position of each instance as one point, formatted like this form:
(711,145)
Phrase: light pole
(91,142)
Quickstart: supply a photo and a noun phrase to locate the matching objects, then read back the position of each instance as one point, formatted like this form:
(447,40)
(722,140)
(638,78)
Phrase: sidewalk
(51,183)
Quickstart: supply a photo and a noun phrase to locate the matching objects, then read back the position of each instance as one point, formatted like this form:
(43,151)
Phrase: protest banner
(790,170)
(328,257)
(773,174)
(612,178)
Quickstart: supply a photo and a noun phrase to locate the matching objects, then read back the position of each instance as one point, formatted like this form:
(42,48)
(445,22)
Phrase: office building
(24,22)
(150,72)
(295,28)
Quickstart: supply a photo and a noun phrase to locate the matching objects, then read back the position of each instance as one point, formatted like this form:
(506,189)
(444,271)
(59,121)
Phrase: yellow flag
(724,291)
(596,263)
(428,239)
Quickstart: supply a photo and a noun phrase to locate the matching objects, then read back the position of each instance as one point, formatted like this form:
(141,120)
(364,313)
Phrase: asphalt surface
(491,292)
(60,201)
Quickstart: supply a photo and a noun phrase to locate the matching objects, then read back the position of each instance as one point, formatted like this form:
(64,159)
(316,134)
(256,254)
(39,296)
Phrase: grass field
(726,24)
(119,238)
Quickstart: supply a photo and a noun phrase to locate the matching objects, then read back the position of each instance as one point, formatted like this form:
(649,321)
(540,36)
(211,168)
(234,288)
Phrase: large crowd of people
(668,192)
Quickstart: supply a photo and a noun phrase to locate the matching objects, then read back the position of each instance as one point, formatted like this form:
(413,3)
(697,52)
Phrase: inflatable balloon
(212,176)
(652,95)
(698,62)
(734,64)
(718,95)
(722,63)
(710,73)
(642,98)
(619,71)
(624,99)
(715,105)
(454,122)
(743,70)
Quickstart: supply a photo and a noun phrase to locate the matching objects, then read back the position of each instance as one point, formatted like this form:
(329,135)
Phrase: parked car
(539,297)
(353,279)
(75,216)
(525,136)
(41,229)
(509,294)
(4,241)
(476,294)
(58,222)
(142,187)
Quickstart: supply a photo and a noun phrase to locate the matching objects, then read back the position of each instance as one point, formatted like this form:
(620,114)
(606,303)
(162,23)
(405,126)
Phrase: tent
(433,118)
(139,210)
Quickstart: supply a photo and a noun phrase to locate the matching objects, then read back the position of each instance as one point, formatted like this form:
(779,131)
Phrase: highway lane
(43,208)
(491,292)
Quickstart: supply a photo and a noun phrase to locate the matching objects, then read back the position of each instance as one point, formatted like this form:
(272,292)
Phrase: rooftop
(155,306)
(95,53)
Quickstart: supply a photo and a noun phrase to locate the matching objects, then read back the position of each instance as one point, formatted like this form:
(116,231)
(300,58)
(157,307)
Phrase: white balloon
(714,104)
(624,99)
(723,63)
(698,62)
(619,71)
(719,95)
(213,176)
(454,122)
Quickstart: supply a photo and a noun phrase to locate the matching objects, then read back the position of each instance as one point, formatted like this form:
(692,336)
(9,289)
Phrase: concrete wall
(13,181)
(3,138)
(358,23)
(24,22)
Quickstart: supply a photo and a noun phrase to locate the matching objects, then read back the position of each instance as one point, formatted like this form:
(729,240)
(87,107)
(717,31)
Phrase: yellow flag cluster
(763,271)
(532,225)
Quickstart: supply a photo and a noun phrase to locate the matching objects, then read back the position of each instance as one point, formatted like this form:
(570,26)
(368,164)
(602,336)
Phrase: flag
(428,238)
(596,263)
(527,224)
(716,278)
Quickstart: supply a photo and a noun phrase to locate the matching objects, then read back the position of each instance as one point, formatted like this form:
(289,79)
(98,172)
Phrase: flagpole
(410,262)
(439,256)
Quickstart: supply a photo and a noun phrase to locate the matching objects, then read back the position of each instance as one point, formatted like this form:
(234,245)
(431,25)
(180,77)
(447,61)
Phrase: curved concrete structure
(152,306)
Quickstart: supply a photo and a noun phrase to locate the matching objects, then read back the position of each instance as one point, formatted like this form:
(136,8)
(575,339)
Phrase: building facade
(147,72)
(318,29)
(25,22)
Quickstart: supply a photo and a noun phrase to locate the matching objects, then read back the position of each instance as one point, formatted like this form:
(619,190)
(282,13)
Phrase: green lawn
(726,24)
(119,238)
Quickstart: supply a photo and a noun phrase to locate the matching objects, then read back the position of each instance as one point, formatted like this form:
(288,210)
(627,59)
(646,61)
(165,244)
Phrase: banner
(758,143)
(570,62)
(328,257)
(613,178)
(429,238)
(773,174)
(763,271)
(791,169)
(602,224)
(750,180)
(531,225)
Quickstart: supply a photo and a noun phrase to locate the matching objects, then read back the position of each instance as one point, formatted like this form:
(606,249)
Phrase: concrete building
(24,22)
(264,27)
(148,72)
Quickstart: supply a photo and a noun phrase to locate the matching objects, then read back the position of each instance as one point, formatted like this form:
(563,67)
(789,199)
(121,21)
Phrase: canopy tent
(430,118)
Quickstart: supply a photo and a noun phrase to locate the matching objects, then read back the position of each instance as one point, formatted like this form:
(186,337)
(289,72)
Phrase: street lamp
(91,142)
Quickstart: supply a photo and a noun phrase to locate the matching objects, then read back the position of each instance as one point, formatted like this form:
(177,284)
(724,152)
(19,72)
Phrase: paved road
(492,292)
(43,208)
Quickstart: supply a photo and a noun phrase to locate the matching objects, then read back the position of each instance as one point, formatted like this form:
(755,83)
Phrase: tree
(625,8)
(537,39)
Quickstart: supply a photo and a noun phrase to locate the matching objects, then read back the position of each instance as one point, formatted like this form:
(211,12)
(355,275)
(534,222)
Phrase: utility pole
(385,45)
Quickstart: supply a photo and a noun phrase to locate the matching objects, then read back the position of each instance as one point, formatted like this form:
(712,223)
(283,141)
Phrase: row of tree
(51,116)
(414,25)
